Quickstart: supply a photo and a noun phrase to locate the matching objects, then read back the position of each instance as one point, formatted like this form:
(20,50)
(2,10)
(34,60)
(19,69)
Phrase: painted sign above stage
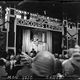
(24,18)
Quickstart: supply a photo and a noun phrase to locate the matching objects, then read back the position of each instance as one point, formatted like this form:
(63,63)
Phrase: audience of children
(43,65)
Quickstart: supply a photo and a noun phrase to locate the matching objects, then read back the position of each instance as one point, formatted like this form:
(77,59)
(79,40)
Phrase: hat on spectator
(76,53)
(71,50)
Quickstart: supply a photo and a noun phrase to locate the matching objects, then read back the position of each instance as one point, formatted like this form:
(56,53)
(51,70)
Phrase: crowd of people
(41,65)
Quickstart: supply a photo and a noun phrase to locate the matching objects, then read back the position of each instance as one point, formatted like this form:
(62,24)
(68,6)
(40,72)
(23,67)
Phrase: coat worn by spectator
(25,71)
(43,64)
(71,67)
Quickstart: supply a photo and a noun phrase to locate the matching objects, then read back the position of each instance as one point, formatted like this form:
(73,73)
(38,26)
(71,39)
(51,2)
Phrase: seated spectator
(18,58)
(25,71)
(43,64)
(8,68)
(56,55)
(12,61)
(58,68)
(7,65)
(3,73)
(71,67)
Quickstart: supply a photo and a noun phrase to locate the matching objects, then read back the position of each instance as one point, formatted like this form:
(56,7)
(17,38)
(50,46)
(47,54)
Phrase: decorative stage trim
(35,24)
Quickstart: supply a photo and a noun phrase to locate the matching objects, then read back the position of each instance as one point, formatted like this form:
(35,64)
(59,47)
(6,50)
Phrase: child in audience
(3,73)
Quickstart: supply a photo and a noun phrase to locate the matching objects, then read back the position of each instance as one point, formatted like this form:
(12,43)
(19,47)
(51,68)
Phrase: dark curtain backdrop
(56,42)
(11,33)
(79,37)
(19,32)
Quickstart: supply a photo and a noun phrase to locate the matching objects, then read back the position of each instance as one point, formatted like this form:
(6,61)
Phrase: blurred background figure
(71,66)
(77,46)
(70,52)
(56,55)
(43,64)
(25,62)
(25,71)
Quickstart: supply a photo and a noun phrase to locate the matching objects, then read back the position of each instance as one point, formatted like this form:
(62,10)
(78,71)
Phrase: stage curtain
(49,40)
(28,44)
(26,41)
(56,42)
(19,36)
